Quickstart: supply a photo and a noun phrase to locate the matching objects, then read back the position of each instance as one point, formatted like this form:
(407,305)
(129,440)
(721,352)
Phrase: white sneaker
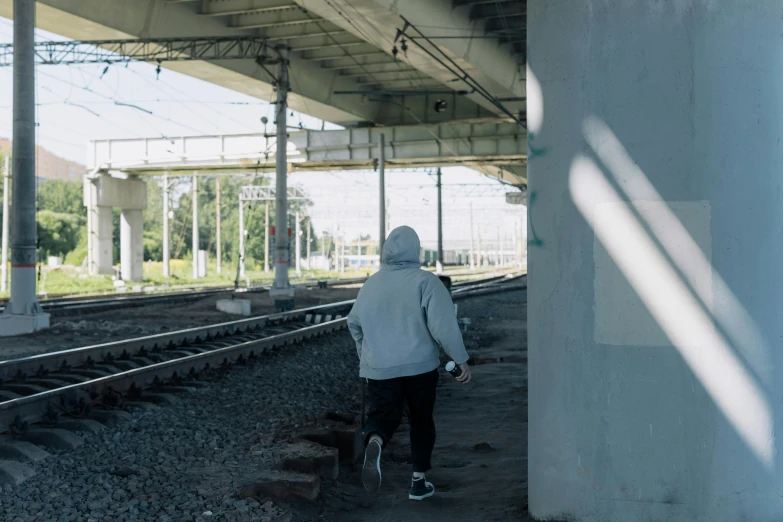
(371,472)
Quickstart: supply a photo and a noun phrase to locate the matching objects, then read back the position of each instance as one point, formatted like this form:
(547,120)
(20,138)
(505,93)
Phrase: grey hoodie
(402,314)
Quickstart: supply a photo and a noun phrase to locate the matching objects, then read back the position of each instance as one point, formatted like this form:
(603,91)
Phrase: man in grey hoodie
(401,316)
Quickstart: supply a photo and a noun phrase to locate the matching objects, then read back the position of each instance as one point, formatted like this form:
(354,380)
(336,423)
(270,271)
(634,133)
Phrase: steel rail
(92,362)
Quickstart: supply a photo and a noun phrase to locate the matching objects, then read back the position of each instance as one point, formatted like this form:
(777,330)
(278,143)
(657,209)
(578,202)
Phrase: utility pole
(497,249)
(241,238)
(266,237)
(281,289)
(439,261)
(472,250)
(503,250)
(194,242)
(218,246)
(297,233)
(309,225)
(6,221)
(382,184)
(480,251)
(166,233)
(23,313)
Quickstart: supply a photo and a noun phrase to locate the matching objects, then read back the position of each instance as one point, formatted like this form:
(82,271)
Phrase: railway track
(42,388)
(80,305)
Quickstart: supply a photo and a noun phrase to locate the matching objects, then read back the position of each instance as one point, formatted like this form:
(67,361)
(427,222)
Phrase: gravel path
(184,462)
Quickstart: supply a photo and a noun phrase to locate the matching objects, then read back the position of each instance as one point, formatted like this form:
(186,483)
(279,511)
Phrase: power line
(87,89)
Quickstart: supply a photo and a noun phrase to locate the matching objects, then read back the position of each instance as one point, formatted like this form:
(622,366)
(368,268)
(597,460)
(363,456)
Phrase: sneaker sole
(421,497)
(371,472)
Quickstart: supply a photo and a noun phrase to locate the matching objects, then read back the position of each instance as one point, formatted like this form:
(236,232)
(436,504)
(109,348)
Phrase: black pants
(387,399)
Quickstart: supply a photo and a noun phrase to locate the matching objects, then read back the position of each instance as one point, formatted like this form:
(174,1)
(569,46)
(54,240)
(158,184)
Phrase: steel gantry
(154,50)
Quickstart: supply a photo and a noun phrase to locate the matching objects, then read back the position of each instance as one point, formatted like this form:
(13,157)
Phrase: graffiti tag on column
(533,241)
(532,151)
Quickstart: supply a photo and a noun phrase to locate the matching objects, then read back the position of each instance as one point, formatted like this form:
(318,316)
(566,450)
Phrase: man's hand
(464,377)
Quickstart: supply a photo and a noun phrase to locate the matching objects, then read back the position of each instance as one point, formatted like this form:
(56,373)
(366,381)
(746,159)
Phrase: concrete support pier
(655,247)
(132,244)
(102,193)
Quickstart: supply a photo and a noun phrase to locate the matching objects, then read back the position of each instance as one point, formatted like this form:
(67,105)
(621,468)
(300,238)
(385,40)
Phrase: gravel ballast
(185,461)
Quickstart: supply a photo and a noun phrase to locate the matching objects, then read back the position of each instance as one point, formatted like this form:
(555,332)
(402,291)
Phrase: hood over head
(402,249)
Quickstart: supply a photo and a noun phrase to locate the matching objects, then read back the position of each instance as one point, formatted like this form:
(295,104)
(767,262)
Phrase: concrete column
(266,236)
(382,191)
(218,245)
(655,247)
(166,231)
(132,245)
(102,193)
(195,239)
(281,287)
(23,313)
(101,258)
(6,221)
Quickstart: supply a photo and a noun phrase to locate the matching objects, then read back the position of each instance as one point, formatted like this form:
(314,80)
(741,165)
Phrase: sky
(77,103)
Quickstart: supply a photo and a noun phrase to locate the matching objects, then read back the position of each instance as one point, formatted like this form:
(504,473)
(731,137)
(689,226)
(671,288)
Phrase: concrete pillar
(166,229)
(132,245)
(6,222)
(101,251)
(195,238)
(102,193)
(655,247)
(23,313)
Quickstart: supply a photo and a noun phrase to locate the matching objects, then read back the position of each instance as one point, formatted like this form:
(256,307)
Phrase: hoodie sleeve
(355,327)
(442,321)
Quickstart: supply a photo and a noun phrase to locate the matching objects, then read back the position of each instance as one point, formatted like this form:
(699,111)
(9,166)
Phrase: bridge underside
(337,47)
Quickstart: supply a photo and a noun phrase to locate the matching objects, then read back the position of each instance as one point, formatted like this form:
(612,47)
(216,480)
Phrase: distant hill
(48,165)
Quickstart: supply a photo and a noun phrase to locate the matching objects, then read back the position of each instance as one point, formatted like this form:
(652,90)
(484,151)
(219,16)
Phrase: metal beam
(292,33)
(145,50)
(331,53)
(277,18)
(348,62)
(308,43)
(378,70)
(417,82)
(232,7)
(485,145)
(268,193)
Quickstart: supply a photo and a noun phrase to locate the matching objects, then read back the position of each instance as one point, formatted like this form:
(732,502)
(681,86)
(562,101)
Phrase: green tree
(58,233)
(65,197)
